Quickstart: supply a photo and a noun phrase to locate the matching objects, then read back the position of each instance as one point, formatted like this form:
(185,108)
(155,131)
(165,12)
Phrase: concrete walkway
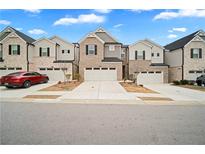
(110,90)
(177,93)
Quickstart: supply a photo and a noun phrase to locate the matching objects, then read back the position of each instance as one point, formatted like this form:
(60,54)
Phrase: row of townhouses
(99,56)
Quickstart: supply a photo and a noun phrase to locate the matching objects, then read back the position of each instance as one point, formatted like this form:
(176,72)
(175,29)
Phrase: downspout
(56,52)
(182,63)
(27,45)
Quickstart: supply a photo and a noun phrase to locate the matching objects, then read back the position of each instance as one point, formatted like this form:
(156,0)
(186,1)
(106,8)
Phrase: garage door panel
(149,78)
(100,75)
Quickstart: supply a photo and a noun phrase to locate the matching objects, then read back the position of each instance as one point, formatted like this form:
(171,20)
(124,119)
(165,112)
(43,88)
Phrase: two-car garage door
(100,74)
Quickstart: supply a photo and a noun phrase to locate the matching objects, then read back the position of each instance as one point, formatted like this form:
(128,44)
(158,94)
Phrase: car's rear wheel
(199,83)
(26,84)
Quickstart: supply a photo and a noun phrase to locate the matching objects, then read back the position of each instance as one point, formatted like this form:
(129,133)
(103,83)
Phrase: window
(44,52)
(56,69)
(143,72)
(62,51)
(151,72)
(11,68)
(199,71)
(104,68)
(14,49)
(28,74)
(49,69)
(191,72)
(111,47)
(2,68)
(42,69)
(112,68)
(139,54)
(18,68)
(88,68)
(68,51)
(152,54)
(157,54)
(196,53)
(96,68)
(91,49)
(159,72)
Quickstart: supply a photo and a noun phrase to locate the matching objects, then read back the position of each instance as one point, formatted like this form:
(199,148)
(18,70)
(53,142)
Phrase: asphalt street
(53,123)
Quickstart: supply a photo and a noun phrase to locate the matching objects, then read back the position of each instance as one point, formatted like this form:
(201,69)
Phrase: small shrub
(76,76)
(176,82)
(59,82)
(184,82)
(191,83)
(141,85)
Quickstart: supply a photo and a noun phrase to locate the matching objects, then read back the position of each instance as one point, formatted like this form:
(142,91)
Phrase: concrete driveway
(178,93)
(99,90)
(21,92)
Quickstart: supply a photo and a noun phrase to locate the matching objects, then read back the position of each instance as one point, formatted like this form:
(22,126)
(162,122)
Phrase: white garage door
(149,77)
(5,71)
(55,74)
(100,74)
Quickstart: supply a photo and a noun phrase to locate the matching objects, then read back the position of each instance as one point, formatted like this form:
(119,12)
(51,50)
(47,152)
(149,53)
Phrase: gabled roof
(180,43)
(105,36)
(25,37)
(55,36)
(43,38)
(153,43)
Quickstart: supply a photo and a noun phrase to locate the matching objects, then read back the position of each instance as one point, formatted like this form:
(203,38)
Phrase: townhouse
(100,57)
(186,57)
(146,62)
(54,56)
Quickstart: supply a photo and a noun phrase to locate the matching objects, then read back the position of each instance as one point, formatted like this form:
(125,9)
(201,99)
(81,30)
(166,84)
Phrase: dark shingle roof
(181,42)
(22,35)
(111,59)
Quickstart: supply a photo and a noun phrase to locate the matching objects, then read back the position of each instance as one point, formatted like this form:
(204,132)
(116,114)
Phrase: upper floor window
(152,54)
(158,54)
(91,49)
(196,53)
(44,52)
(111,47)
(14,49)
(65,51)
(140,55)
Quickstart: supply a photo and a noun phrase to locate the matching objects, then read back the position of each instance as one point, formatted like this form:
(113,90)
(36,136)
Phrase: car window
(14,74)
(36,73)
(28,74)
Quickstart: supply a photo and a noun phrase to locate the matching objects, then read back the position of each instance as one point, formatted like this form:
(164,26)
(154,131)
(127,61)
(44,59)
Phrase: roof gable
(91,35)
(180,43)
(9,30)
(61,39)
(42,39)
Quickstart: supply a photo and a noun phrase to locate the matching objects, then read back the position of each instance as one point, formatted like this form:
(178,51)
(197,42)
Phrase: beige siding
(115,53)
(174,58)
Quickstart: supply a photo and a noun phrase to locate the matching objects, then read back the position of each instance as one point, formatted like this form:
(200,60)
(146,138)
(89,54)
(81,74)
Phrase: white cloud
(33,10)
(19,28)
(84,18)
(103,10)
(140,10)
(178,29)
(118,25)
(37,31)
(5,22)
(172,36)
(180,13)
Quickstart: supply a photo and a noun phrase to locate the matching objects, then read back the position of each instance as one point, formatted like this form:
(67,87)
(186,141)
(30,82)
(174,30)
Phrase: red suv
(23,79)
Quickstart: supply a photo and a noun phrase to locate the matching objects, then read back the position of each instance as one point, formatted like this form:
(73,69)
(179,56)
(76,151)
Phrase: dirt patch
(155,99)
(132,87)
(42,96)
(200,88)
(64,86)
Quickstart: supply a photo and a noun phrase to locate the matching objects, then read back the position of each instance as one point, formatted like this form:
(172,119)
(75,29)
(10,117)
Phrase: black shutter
(18,49)
(48,52)
(135,55)
(191,53)
(200,53)
(9,49)
(143,55)
(95,49)
(40,51)
(86,49)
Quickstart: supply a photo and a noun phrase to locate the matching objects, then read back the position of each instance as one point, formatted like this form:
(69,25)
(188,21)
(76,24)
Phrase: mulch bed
(155,99)
(132,87)
(42,96)
(64,86)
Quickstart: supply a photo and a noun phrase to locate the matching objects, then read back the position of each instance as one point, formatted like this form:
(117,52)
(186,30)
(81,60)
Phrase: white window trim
(111,47)
(44,52)
(14,51)
(91,49)
(197,54)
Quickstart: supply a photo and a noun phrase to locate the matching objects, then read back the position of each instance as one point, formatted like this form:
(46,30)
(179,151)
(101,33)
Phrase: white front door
(100,74)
